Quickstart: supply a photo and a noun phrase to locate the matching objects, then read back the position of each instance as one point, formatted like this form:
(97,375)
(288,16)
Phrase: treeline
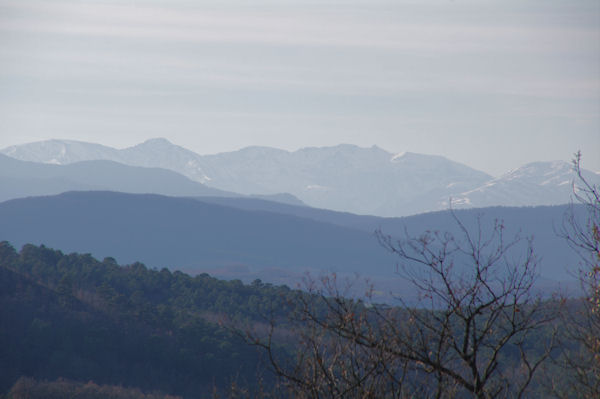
(143,333)
(72,316)
(28,388)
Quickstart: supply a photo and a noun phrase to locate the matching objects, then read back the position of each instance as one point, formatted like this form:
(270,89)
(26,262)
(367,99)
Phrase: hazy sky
(493,84)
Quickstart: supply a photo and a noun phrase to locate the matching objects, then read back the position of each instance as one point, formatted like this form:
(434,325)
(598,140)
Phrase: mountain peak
(158,141)
(540,168)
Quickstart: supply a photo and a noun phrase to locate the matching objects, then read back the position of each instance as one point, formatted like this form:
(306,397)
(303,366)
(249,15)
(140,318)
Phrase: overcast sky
(492,84)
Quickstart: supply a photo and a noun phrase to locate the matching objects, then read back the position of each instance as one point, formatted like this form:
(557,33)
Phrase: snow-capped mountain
(155,153)
(20,179)
(536,183)
(343,177)
(61,152)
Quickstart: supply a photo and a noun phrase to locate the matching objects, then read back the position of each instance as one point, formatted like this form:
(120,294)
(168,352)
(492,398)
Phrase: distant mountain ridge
(546,183)
(157,153)
(344,177)
(248,239)
(23,179)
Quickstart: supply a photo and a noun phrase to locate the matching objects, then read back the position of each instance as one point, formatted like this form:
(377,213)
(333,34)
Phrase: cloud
(427,65)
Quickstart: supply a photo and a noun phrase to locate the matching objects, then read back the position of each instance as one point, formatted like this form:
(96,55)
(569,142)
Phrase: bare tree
(480,306)
(468,333)
(580,357)
(329,362)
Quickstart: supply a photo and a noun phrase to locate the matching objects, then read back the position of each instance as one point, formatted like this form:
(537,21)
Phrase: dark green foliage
(75,317)
(72,316)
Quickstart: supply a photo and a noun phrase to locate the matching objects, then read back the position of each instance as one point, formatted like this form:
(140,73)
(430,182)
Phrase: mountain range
(253,241)
(23,179)
(344,177)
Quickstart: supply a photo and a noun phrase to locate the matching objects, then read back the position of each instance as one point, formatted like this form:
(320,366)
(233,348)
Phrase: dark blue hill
(541,222)
(274,242)
(187,234)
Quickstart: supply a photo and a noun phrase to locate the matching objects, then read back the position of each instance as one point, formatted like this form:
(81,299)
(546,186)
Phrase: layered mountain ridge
(249,238)
(20,179)
(546,183)
(343,177)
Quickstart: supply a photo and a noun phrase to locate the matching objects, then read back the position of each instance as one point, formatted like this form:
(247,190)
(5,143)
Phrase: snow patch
(398,156)
(464,201)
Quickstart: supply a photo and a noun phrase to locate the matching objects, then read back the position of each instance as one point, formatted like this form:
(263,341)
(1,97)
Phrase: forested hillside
(75,317)
(74,325)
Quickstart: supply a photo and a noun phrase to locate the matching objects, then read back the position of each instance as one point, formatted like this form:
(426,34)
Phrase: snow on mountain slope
(156,153)
(163,154)
(536,183)
(61,152)
(343,177)
(24,178)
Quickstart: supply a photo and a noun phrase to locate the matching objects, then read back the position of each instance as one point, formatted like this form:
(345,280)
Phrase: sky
(492,84)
